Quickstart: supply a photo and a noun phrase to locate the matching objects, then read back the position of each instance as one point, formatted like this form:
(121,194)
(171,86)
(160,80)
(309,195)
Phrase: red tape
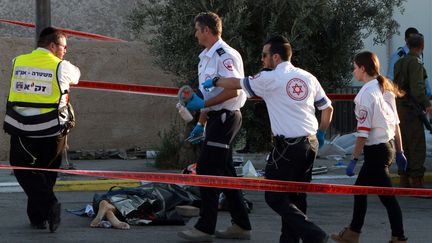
(241,183)
(165,91)
(128,88)
(67,31)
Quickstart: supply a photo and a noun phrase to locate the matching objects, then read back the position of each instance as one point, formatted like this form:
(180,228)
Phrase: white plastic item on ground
(249,170)
(346,142)
(331,149)
(151,154)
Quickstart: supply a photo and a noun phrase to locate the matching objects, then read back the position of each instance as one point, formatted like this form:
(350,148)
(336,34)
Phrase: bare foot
(95,223)
(116,223)
(104,206)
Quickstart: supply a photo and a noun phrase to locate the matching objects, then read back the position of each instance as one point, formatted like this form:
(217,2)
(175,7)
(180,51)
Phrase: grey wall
(105,17)
(104,119)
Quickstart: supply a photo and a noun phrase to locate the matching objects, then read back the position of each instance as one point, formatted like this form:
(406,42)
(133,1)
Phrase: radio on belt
(184,95)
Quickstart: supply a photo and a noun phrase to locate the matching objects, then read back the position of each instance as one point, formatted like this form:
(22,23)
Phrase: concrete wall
(416,14)
(104,119)
(105,17)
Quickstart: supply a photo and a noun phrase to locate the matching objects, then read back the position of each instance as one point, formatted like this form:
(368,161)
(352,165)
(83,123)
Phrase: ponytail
(370,62)
(387,85)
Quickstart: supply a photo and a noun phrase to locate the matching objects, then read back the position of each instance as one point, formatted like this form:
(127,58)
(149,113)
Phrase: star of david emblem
(297,89)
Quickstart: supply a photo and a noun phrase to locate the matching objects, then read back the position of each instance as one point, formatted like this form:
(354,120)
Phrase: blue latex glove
(401,161)
(195,137)
(321,137)
(208,84)
(195,103)
(350,168)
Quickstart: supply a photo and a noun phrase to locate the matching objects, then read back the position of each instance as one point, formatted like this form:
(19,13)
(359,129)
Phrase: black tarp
(152,203)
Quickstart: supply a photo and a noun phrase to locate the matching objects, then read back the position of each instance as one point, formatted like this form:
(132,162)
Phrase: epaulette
(401,52)
(220,51)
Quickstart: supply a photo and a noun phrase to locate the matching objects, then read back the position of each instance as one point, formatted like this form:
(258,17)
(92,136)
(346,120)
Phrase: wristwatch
(215,79)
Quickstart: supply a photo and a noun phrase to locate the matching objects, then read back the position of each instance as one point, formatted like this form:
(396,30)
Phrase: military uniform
(401,52)
(410,76)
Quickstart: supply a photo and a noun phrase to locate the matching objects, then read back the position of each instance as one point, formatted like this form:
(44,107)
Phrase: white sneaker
(234,232)
(195,235)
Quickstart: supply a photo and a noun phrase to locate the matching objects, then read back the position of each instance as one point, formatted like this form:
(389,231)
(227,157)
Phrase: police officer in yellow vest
(38,118)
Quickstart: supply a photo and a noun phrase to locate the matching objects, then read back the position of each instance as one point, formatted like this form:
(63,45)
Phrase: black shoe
(42,225)
(54,217)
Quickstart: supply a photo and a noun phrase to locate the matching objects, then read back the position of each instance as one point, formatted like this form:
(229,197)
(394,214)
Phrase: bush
(325,35)
(167,156)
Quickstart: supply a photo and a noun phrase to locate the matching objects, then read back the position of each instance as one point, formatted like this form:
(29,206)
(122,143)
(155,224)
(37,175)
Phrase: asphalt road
(331,212)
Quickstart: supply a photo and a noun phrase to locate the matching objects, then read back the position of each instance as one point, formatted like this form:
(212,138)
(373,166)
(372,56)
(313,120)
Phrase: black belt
(391,141)
(211,114)
(282,140)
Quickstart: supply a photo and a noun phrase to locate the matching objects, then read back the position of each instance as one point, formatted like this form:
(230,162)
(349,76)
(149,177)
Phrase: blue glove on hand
(320,136)
(401,161)
(195,103)
(350,168)
(197,134)
(208,84)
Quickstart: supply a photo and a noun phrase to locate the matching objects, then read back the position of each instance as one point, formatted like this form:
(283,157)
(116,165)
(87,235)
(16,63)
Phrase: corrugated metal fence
(344,120)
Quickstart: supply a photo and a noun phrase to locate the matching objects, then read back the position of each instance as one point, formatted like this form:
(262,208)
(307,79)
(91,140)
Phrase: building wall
(416,14)
(104,119)
(105,17)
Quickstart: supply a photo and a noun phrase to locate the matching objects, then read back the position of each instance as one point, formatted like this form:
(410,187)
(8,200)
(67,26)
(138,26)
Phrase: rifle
(422,115)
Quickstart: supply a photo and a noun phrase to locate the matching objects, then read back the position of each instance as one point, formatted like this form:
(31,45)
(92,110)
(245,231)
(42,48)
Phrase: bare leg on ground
(107,210)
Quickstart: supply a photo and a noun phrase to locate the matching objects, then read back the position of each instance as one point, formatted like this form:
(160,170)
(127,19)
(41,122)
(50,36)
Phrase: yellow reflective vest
(34,84)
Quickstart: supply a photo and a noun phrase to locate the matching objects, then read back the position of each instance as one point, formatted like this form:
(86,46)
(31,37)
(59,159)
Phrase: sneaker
(195,235)
(54,217)
(234,232)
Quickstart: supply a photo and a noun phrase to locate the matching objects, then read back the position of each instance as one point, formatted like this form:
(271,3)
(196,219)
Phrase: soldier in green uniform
(409,76)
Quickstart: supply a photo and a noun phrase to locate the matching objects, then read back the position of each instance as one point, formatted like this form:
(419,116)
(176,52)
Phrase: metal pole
(43,16)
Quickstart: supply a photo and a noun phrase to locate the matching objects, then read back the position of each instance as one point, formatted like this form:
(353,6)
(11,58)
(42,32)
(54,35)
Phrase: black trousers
(292,160)
(221,129)
(38,185)
(375,172)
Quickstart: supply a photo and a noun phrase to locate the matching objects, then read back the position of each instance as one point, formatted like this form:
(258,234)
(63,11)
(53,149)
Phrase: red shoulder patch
(229,64)
(362,116)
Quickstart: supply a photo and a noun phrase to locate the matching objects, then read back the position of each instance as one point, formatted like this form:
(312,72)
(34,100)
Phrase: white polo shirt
(376,114)
(291,95)
(223,61)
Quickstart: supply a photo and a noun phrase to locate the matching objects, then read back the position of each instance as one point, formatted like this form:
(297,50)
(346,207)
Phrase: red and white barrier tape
(128,88)
(164,91)
(67,31)
(241,183)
